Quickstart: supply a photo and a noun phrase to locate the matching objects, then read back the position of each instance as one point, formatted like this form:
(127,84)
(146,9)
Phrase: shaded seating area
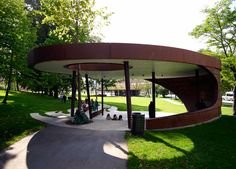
(193,77)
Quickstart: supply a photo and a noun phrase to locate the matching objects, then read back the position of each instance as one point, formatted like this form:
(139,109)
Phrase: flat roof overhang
(105,60)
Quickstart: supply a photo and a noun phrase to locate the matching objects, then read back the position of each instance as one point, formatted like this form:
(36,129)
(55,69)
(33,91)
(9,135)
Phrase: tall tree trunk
(234,104)
(9,81)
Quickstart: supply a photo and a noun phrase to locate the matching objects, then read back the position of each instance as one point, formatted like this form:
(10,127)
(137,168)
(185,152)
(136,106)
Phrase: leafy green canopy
(16,38)
(66,21)
(219,31)
(16,35)
(72,20)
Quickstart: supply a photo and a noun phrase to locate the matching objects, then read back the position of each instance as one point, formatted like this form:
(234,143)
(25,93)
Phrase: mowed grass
(207,146)
(15,120)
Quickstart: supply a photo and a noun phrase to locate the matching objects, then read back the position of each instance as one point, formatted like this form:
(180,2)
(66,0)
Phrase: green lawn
(141,104)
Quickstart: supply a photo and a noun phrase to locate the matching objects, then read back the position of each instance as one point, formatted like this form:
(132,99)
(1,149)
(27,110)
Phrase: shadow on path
(60,148)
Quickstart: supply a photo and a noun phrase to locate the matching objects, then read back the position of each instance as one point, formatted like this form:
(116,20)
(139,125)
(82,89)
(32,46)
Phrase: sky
(156,22)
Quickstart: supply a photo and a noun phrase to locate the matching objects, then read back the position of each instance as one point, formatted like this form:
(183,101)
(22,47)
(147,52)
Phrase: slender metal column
(102,98)
(72,111)
(79,92)
(96,94)
(88,95)
(197,85)
(153,90)
(128,94)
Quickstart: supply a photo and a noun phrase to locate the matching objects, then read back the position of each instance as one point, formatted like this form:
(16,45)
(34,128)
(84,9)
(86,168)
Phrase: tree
(219,31)
(163,91)
(65,21)
(107,83)
(72,20)
(16,38)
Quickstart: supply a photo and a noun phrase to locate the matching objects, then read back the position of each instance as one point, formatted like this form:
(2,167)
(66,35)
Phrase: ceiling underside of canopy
(139,69)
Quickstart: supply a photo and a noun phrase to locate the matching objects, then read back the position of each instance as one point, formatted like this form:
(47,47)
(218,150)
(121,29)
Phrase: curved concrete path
(61,148)
(98,123)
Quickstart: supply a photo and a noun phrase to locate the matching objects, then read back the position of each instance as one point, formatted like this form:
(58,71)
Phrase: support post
(102,97)
(96,94)
(197,85)
(153,91)
(88,95)
(128,94)
(72,111)
(79,92)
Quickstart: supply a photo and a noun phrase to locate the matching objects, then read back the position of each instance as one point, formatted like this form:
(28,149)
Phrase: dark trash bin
(137,124)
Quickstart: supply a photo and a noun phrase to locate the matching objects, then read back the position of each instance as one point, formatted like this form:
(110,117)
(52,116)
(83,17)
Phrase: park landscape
(29,24)
(204,146)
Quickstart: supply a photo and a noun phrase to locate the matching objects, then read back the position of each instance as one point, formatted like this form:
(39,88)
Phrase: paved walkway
(62,148)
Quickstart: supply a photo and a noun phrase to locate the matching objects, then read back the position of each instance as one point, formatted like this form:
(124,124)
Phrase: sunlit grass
(141,104)
(227,110)
(161,146)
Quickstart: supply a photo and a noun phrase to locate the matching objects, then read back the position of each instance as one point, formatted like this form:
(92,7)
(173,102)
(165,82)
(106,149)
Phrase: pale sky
(157,22)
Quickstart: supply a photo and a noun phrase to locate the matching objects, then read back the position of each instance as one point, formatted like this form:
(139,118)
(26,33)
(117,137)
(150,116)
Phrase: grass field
(141,104)
(206,146)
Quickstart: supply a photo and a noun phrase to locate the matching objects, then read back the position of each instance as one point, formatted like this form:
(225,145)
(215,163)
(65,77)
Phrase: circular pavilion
(193,77)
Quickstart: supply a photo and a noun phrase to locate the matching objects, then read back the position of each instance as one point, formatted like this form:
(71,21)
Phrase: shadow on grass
(149,137)
(214,147)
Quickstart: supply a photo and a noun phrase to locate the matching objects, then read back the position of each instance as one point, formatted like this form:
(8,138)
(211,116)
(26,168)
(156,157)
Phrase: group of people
(114,117)
(84,104)
(94,105)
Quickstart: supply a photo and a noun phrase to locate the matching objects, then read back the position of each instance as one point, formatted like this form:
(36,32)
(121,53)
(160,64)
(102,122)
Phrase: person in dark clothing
(64,98)
(151,110)
(114,117)
(201,104)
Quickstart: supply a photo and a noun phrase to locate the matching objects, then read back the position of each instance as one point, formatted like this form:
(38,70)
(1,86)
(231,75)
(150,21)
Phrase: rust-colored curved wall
(184,120)
(190,91)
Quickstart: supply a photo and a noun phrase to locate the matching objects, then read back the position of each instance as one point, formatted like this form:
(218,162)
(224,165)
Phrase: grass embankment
(15,120)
